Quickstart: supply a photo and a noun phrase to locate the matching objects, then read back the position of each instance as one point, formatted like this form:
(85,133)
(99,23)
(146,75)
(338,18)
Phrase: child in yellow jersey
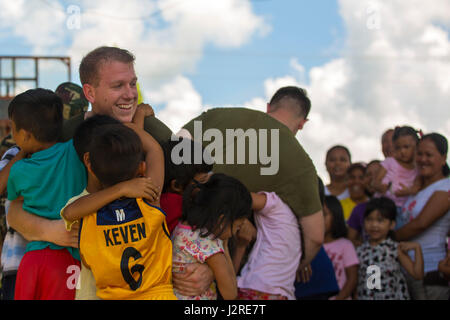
(123,232)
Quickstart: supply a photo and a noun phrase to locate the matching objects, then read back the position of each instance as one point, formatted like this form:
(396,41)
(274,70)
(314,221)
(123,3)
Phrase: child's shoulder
(342,243)
(145,204)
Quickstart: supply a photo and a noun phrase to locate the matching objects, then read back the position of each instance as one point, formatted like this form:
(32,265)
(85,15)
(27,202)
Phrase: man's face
(116,93)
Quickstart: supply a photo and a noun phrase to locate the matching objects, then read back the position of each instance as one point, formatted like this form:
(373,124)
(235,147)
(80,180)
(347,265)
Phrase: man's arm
(313,227)
(35,228)
(194,281)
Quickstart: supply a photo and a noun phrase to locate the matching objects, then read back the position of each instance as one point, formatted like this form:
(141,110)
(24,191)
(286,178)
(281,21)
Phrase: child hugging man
(45,180)
(179,174)
(123,232)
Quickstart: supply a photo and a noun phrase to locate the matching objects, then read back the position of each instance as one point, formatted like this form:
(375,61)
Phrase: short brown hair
(299,95)
(90,64)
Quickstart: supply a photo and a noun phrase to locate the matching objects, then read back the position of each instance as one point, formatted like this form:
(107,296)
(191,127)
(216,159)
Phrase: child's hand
(246,233)
(383,188)
(140,188)
(407,246)
(144,110)
(404,191)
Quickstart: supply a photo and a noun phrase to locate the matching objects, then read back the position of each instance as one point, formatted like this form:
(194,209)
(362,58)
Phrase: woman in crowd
(427,216)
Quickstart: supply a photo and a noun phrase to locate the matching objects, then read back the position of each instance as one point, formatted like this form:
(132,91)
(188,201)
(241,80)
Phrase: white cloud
(182,102)
(393,68)
(42,29)
(393,71)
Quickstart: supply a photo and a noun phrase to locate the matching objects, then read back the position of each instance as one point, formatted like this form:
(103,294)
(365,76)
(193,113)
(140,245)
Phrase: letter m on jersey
(120,215)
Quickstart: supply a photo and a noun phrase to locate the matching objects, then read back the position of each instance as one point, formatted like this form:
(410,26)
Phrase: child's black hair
(386,207)
(216,204)
(357,166)
(405,131)
(86,131)
(115,154)
(182,172)
(38,111)
(338,226)
(339,147)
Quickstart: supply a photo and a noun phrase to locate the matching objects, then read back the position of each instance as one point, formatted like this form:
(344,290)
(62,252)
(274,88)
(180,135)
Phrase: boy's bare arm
(154,158)
(143,110)
(86,205)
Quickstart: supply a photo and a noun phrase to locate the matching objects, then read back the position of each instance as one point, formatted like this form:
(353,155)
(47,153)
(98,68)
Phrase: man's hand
(304,274)
(35,228)
(195,280)
(58,234)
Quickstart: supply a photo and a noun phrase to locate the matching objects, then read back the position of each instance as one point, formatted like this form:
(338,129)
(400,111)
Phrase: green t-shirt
(295,181)
(46,181)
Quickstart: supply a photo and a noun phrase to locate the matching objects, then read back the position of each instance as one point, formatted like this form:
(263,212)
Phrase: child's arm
(354,236)
(154,158)
(414,268)
(143,110)
(351,283)
(135,188)
(245,235)
(224,273)
(407,191)
(444,267)
(377,182)
(258,201)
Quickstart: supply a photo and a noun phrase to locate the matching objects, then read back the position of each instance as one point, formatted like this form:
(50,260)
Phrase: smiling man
(109,83)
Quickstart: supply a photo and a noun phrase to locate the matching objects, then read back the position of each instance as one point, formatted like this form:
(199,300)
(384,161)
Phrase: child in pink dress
(340,250)
(397,178)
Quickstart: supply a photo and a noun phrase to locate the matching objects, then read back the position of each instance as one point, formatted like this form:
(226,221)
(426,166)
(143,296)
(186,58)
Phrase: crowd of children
(140,217)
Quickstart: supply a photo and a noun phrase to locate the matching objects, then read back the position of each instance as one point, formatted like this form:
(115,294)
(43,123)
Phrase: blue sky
(367,65)
(306,30)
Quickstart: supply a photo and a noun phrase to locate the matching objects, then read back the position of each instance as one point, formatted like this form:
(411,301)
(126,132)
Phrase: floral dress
(382,257)
(190,247)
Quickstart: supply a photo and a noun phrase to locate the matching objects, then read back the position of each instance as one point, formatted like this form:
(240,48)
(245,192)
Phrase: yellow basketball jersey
(127,246)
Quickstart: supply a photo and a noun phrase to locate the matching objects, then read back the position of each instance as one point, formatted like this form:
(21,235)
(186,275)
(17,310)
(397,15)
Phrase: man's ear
(268,108)
(302,123)
(89,92)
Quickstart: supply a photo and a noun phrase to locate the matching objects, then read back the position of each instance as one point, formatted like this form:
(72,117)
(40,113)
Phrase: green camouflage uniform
(73,98)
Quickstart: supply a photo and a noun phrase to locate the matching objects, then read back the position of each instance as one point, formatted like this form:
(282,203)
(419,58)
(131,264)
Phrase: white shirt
(434,239)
